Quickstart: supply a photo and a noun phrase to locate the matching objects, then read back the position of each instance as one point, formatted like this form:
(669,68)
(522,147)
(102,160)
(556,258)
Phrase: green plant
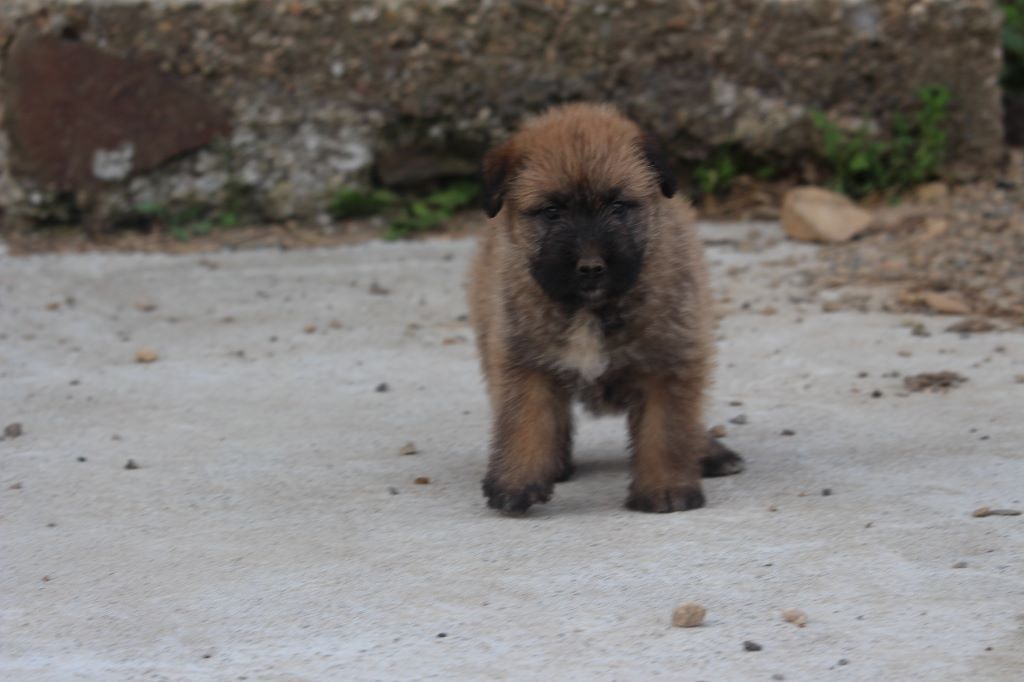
(185,221)
(911,152)
(353,203)
(432,211)
(1013,45)
(715,175)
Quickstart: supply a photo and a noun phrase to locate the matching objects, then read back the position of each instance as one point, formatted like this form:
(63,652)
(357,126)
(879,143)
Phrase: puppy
(590,284)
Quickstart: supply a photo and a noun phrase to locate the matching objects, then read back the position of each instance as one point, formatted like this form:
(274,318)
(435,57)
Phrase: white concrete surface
(259,540)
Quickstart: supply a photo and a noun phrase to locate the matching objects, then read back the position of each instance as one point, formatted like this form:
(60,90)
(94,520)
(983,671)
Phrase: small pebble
(981,512)
(82,459)
(842,661)
(393,490)
(795,616)
(752,646)
(408,449)
(13,430)
(145,355)
(778,676)
(876,393)
(131,464)
(442,635)
(825,492)
(688,615)
(788,432)
(718,431)
(422,480)
(309,329)
(739,419)
(960,564)
(382,387)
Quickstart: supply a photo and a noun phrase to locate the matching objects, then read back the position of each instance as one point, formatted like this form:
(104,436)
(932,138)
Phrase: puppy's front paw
(515,500)
(659,500)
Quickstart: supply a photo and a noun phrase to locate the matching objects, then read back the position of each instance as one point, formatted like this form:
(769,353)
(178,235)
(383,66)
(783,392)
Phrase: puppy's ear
(499,166)
(659,161)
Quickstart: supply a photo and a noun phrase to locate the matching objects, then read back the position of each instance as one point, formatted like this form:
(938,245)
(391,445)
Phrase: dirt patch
(934,382)
(961,256)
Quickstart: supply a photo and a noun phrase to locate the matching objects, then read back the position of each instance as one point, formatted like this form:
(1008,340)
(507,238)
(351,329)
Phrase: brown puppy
(590,283)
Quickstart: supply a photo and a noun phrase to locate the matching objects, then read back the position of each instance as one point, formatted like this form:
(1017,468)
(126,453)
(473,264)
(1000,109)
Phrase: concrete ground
(272,530)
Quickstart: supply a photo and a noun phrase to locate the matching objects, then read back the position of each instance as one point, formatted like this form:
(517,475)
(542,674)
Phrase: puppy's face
(589,243)
(577,188)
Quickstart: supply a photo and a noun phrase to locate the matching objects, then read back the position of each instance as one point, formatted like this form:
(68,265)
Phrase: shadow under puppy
(590,284)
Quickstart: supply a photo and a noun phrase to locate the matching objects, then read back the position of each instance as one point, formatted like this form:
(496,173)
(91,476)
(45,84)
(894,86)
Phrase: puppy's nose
(590,266)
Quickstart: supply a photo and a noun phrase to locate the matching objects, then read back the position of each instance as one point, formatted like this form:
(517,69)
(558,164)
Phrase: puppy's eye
(619,208)
(551,212)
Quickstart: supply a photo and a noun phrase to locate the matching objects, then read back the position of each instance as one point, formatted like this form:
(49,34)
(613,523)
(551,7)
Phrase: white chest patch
(584,350)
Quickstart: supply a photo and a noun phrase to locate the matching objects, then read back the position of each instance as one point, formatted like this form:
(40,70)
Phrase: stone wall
(111,104)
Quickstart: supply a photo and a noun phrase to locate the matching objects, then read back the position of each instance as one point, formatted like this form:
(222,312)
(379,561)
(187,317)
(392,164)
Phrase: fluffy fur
(590,284)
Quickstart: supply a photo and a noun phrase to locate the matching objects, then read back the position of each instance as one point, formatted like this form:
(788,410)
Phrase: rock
(408,449)
(751,646)
(795,616)
(411,168)
(124,115)
(972,325)
(13,430)
(945,302)
(934,227)
(718,431)
(688,615)
(739,419)
(932,193)
(145,355)
(982,512)
(814,214)
(315,93)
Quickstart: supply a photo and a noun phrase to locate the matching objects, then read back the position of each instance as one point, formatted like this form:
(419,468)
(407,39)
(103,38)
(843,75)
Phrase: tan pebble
(718,431)
(309,329)
(689,615)
(408,449)
(422,480)
(145,355)
(795,616)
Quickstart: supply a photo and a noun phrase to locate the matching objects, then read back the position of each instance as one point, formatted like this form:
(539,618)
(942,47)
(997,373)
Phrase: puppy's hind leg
(531,440)
(720,460)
